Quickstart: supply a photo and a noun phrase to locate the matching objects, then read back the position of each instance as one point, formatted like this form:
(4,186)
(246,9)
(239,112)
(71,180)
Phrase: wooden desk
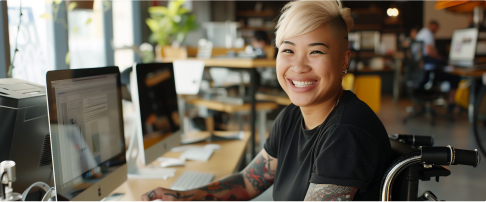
(234,62)
(246,63)
(471,75)
(281,100)
(222,163)
(262,108)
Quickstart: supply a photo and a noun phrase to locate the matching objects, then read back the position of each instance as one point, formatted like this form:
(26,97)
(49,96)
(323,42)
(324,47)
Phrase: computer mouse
(173,162)
(212,146)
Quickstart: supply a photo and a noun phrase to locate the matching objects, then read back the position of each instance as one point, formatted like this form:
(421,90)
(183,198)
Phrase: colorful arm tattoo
(329,192)
(259,173)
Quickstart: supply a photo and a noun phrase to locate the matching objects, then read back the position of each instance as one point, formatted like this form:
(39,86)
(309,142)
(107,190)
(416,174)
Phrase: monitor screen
(86,125)
(463,45)
(158,108)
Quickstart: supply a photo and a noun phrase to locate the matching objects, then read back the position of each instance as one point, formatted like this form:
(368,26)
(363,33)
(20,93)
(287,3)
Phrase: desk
(471,75)
(247,63)
(222,163)
(261,107)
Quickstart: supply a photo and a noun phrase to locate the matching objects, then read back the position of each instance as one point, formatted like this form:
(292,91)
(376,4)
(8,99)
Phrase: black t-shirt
(350,148)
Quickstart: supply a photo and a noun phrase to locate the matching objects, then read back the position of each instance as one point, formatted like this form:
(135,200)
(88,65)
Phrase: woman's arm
(329,192)
(245,185)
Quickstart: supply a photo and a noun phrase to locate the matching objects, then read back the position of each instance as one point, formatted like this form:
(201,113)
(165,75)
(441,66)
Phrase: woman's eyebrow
(288,42)
(318,44)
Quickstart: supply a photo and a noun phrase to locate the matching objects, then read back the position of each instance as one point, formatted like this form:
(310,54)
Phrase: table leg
(262,117)
(396,82)
(472,99)
(253,87)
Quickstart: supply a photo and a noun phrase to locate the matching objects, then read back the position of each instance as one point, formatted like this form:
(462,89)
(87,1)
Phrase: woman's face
(310,66)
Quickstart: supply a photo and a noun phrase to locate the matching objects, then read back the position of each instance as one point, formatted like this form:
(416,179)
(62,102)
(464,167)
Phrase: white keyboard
(190,180)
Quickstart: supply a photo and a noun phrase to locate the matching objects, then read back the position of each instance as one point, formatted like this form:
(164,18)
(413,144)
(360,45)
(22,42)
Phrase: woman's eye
(287,51)
(316,52)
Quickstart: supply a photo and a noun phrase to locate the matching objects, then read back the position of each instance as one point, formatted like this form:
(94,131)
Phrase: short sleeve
(347,157)
(272,142)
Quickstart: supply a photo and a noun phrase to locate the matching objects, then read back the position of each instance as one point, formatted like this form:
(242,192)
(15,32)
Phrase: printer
(24,132)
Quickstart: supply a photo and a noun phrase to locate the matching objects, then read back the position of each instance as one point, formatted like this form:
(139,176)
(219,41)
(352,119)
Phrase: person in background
(327,144)
(434,63)
(260,43)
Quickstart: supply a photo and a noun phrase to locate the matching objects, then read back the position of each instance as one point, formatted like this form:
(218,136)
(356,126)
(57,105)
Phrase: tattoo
(178,195)
(209,197)
(151,195)
(232,198)
(259,175)
(329,192)
(232,182)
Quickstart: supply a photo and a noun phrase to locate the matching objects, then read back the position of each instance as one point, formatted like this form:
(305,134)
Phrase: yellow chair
(461,97)
(368,89)
(348,81)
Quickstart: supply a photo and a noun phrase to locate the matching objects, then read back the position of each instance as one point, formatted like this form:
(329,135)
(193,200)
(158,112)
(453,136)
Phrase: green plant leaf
(182,11)
(88,21)
(152,24)
(67,58)
(46,16)
(174,6)
(160,10)
(72,5)
(57,2)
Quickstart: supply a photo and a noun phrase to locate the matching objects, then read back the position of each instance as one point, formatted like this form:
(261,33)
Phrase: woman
(327,145)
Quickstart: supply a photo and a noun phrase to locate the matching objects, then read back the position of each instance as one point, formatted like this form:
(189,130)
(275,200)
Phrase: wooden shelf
(252,13)
(257,28)
(459,6)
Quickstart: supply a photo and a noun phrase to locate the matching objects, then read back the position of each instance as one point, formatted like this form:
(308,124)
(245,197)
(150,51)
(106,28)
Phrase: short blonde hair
(302,17)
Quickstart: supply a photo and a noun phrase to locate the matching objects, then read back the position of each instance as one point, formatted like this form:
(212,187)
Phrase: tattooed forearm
(178,195)
(151,195)
(328,192)
(232,182)
(259,173)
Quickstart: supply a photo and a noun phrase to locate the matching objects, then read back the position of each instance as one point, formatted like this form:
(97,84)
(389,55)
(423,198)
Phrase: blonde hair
(302,17)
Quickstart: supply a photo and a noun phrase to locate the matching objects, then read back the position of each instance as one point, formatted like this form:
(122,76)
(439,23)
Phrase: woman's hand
(166,195)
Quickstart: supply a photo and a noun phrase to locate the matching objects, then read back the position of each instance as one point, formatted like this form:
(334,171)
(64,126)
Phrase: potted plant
(170,26)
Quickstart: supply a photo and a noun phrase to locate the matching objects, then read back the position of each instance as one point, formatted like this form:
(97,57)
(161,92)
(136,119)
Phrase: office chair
(401,180)
(422,93)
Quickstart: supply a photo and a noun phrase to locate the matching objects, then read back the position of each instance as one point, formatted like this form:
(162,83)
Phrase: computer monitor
(463,47)
(87,136)
(188,75)
(158,125)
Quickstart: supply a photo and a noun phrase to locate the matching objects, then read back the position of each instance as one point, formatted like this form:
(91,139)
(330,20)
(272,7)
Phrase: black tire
(479,118)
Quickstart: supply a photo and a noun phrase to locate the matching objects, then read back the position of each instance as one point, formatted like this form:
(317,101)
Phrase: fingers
(154,194)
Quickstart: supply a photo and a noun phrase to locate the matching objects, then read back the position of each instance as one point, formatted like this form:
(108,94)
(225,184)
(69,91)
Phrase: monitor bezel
(150,154)
(105,186)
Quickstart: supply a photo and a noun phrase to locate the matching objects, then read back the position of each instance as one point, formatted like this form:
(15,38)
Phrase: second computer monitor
(154,96)
(86,127)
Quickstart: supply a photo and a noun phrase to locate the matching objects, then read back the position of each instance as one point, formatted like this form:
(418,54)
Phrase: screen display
(86,134)
(463,44)
(157,95)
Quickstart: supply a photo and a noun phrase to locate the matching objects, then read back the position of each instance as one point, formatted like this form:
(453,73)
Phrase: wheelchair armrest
(435,171)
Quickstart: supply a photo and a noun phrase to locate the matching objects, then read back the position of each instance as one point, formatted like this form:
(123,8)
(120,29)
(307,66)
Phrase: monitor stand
(134,153)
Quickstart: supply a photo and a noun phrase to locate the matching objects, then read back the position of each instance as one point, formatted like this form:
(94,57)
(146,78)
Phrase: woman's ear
(346,60)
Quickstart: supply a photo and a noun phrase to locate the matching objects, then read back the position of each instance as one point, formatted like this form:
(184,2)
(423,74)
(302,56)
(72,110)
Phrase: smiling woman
(328,144)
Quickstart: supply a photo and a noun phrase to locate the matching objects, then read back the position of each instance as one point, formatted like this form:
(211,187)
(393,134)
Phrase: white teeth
(302,84)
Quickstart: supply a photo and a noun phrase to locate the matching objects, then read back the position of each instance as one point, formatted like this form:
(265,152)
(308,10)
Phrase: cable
(42,185)
(2,191)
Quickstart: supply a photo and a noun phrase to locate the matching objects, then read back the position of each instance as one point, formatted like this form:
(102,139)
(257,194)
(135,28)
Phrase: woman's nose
(300,66)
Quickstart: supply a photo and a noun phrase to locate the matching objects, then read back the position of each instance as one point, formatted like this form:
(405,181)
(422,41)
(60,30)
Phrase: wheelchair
(417,159)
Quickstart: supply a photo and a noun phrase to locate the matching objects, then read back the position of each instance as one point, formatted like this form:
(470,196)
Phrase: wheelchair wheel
(479,120)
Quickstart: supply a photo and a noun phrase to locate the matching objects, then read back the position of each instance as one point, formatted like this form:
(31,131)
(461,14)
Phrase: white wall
(448,21)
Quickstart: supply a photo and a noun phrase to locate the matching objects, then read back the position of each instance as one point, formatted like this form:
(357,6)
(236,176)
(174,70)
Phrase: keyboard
(190,180)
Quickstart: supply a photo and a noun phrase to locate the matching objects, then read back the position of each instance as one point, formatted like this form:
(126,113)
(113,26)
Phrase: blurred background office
(38,36)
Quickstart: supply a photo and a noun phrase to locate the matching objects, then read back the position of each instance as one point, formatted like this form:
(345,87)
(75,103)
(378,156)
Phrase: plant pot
(170,52)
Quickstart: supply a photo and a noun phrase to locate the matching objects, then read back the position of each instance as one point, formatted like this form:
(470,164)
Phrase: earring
(345,71)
